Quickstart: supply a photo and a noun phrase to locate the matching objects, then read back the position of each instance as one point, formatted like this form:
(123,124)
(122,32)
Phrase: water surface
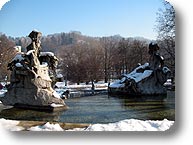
(101,109)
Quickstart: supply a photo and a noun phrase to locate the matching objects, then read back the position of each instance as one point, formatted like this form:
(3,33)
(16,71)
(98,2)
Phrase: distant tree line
(102,59)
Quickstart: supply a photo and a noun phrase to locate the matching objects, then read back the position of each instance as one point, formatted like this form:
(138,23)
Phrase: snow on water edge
(124,125)
(47,127)
(131,125)
(11,125)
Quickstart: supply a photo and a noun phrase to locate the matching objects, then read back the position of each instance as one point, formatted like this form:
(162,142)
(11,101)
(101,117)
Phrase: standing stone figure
(156,61)
(36,43)
(33,50)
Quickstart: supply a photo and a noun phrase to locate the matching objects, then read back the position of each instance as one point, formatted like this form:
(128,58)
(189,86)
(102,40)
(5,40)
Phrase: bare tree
(82,61)
(166,34)
(138,53)
(7,52)
(94,61)
(109,45)
(166,21)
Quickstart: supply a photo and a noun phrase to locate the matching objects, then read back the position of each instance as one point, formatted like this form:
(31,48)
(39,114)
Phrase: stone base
(30,92)
(30,97)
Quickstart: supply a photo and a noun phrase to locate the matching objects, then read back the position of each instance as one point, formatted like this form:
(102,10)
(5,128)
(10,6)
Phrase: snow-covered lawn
(124,125)
(75,90)
(99,85)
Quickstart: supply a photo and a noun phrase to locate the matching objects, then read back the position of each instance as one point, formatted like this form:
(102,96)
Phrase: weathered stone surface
(31,92)
(30,82)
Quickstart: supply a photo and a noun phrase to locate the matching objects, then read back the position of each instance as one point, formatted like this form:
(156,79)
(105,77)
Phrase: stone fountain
(147,79)
(30,84)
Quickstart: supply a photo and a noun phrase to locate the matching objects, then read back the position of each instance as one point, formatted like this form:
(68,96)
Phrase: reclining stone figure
(147,79)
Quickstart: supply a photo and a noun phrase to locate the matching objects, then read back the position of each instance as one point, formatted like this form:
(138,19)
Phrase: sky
(128,18)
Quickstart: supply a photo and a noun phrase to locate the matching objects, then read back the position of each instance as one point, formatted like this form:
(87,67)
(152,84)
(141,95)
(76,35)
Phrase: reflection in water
(101,109)
(23,114)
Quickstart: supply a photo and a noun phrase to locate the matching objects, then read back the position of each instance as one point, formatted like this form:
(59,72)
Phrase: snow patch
(18,65)
(56,105)
(56,95)
(2,92)
(46,54)
(30,52)
(117,84)
(137,76)
(59,76)
(10,125)
(168,82)
(46,127)
(18,57)
(124,125)
(35,30)
(130,125)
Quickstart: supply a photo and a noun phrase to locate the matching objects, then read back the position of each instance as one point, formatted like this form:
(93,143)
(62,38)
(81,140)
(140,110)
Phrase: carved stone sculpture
(147,79)
(30,84)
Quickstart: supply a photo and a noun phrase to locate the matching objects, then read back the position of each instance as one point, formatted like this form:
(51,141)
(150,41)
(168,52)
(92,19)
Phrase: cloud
(2,2)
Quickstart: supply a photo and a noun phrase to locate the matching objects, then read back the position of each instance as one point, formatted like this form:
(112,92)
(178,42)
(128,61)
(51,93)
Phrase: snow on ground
(98,85)
(47,127)
(74,89)
(11,125)
(124,125)
(132,125)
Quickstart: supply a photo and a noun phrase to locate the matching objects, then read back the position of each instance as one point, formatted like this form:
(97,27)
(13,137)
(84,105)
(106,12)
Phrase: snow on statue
(31,86)
(147,79)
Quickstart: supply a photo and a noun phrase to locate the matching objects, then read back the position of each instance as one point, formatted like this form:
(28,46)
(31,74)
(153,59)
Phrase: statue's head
(35,35)
(153,48)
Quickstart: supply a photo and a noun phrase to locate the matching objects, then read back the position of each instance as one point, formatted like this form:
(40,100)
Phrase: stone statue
(147,79)
(36,43)
(156,61)
(30,83)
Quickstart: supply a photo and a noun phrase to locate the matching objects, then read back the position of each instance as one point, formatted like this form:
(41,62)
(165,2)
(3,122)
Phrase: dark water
(101,109)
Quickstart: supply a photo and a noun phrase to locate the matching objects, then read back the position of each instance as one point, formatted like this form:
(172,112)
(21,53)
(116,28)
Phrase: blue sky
(129,18)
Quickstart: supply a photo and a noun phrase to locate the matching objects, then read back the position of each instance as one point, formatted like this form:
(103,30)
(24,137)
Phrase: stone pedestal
(32,91)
